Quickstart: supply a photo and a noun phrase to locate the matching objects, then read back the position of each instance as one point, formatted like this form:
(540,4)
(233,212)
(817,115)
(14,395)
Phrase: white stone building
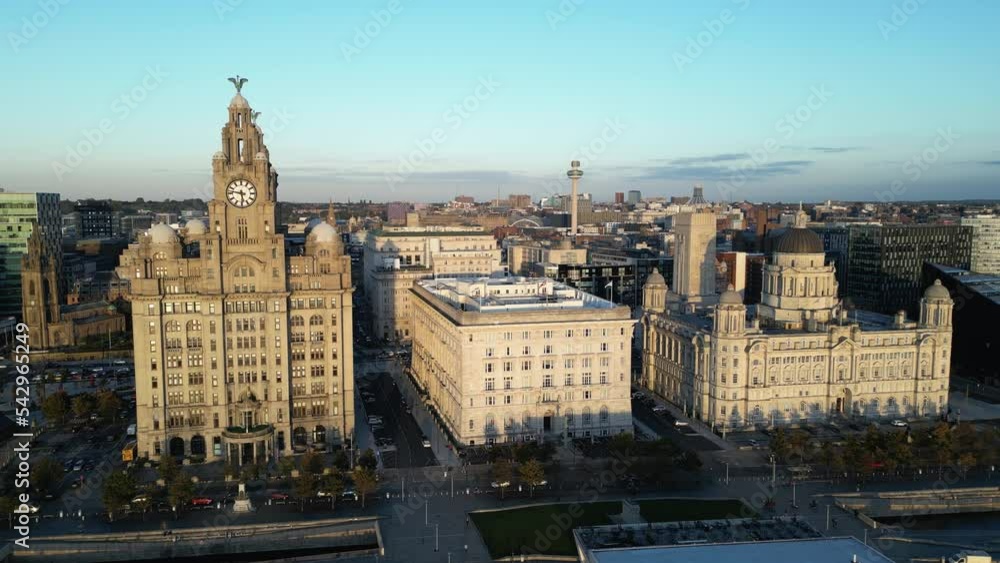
(799,356)
(395,257)
(508,359)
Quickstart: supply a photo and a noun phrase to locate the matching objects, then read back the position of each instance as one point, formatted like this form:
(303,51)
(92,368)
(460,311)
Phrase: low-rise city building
(510,359)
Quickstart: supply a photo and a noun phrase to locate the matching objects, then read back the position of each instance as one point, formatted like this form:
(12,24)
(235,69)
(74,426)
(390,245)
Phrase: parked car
(280,496)
(899,423)
(680,423)
(78,466)
(497,484)
(426,443)
(349,494)
(660,409)
(201,501)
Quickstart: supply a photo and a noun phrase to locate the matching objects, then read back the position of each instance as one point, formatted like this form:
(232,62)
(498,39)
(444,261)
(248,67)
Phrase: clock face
(241,193)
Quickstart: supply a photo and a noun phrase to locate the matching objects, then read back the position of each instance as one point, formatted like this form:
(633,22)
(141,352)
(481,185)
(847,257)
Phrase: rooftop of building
(511,294)
(987,285)
(431,231)
(814,550)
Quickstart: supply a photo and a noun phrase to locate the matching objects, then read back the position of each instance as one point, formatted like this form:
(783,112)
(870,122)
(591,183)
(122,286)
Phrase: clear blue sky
(353,112)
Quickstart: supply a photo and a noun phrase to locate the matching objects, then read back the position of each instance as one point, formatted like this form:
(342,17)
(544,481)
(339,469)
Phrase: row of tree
(59,407)
(960,445)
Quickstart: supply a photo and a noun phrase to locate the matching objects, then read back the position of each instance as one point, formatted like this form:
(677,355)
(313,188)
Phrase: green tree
(333,485)
(56,408)
(168,468)
(84,405)
(798,445)
(286,465)
(966,461)
(7,506)
(311,463)
(180,492)
(779,445)
(304,488)
(340,460)
(367,459)
(502,474)
(364,481)
(46,473)
(854,453)
(623,444)
(119,489)
(108,405)
(533,473)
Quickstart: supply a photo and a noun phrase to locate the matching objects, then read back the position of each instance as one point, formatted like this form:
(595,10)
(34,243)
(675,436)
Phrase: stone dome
(799,240)
(195,227)
(937,291)
(161,233)
(239,102)
(656,278)
(324,232)
(730,297)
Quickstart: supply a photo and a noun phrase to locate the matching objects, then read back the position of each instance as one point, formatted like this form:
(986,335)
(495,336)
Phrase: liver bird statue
(238,81)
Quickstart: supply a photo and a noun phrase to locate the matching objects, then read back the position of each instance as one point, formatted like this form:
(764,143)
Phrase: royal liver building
(242,337)
(799,355)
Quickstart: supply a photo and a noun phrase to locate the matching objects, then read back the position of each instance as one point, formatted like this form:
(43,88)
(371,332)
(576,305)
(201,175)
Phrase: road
(398,425)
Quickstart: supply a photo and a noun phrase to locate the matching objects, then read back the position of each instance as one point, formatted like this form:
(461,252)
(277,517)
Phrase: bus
(129,452)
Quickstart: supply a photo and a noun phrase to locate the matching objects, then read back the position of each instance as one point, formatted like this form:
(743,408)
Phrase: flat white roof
(820,550)
(511,294)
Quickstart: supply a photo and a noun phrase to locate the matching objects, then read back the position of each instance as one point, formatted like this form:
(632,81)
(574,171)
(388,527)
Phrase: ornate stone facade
(799,356)
(512,359)
(243,341)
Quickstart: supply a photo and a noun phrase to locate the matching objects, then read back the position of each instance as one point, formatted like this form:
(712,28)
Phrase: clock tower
(245,184)
(246,350)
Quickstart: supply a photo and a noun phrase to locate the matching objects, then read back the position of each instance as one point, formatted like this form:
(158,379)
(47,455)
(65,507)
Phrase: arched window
(586,416)
(570,417)
(605,415)
(297,321)
(315,320)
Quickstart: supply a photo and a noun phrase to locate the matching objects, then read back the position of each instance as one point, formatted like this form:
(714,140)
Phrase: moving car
(426,443)
(899,423)
(680,423)
(659,409)
(349,494)
(279,496)
(201,501)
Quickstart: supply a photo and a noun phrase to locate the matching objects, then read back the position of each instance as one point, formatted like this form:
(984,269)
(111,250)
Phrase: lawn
(673,510)
(543,529)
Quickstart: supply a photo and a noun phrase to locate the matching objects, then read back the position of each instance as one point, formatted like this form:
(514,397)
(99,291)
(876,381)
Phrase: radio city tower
(574,174)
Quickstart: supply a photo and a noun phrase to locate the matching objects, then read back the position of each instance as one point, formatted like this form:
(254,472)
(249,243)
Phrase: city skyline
(366,101)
